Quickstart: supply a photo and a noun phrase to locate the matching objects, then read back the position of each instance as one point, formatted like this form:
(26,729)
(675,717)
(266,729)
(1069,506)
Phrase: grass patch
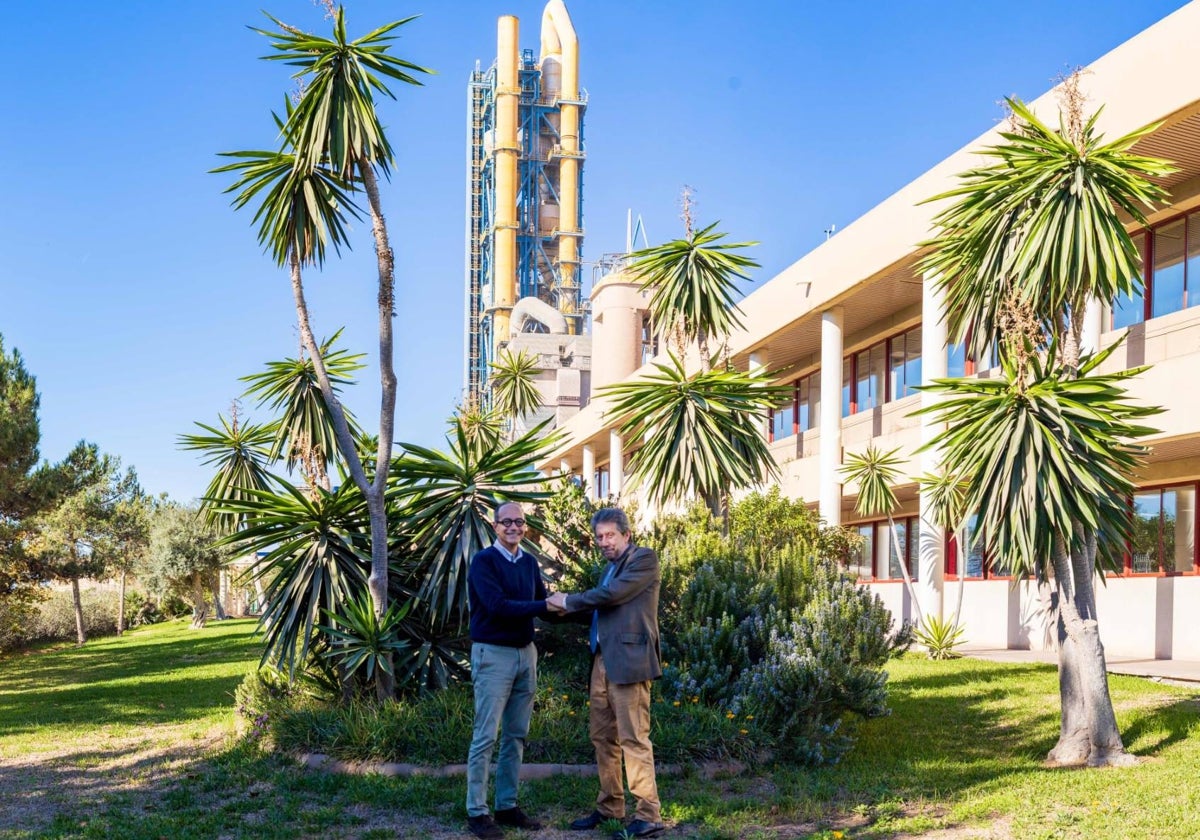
(963,748)
(159,674)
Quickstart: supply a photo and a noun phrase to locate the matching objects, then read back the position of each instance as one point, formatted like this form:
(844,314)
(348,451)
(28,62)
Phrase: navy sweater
(504,597)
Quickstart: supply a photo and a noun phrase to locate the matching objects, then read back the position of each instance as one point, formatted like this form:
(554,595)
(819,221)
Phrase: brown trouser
(619,724)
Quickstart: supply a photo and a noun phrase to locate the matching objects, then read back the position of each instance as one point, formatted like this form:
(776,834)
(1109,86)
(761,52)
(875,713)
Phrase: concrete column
(758,366)
(589,471)
(564,467)
(1093,325)
(830,496)
(616,464)
(931,542)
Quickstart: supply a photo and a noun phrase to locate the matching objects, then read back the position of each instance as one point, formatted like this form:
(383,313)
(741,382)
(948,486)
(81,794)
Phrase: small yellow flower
(676,703)
(566,697)
(571,713)
(743,731)
(730,715)
(587,702)
(696,699)
(838,835)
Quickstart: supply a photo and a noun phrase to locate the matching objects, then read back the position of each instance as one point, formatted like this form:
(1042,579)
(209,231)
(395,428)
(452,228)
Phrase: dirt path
(36,788)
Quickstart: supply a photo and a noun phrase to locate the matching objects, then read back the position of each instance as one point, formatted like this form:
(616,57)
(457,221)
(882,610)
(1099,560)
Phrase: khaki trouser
(619,724)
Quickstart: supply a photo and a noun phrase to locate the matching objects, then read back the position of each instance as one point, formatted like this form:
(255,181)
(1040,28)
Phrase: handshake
(557,603)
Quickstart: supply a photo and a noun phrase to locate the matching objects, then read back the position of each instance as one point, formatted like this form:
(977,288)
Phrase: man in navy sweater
(506,592)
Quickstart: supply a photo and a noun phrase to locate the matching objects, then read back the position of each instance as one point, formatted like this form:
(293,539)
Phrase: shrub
(765,620)
(824,669)
(16,619)
(55,618)
(435,728)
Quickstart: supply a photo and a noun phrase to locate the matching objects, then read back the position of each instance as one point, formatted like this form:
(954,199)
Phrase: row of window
(879,374)
(1163,541)
(1170,271)
(888,370)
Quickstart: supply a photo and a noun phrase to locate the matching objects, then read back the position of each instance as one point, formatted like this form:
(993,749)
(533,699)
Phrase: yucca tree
(702,434)
(875,471)
(336,140)
(693,285)
(514,394)
(314,559)
(240,453)
(446,502)
(1026,242)
(304,430)
(948,510)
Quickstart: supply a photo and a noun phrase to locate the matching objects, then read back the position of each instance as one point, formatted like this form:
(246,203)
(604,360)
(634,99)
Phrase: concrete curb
(319,761)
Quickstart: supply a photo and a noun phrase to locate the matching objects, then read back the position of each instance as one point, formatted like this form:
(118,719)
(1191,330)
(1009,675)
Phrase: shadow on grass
(959,733)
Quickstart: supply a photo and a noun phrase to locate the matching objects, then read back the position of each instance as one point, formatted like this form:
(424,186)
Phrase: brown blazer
(628,616)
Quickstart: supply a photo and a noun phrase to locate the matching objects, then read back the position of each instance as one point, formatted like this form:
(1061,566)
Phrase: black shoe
(517,818)
(484,827)
(639,828)
(592,820)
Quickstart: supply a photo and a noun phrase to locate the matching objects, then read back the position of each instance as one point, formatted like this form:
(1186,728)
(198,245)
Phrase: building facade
(853,326)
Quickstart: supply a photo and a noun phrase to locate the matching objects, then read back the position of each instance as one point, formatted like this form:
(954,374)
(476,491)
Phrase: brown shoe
(517,818)
(484,827)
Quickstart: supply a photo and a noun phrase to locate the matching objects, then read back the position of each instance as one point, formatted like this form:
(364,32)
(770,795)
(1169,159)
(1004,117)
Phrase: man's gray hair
(611,514)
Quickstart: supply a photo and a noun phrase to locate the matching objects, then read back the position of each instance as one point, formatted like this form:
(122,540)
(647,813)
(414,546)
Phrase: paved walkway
(1182,671)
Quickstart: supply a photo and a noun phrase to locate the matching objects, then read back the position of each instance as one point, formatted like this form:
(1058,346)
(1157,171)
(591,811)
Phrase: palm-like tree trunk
(373,491)
(1089,733)
(386,264)
(902,559)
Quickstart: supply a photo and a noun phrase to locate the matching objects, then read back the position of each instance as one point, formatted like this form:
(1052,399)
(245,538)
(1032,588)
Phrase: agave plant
(940,636)
(360,639)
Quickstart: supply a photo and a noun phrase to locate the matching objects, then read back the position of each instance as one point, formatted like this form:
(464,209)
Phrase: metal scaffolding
(542,269)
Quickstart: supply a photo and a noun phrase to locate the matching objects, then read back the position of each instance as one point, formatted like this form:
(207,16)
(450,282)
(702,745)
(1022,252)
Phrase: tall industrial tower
(524,210)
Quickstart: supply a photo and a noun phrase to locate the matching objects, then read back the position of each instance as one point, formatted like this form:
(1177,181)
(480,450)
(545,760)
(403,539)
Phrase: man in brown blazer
(626,658)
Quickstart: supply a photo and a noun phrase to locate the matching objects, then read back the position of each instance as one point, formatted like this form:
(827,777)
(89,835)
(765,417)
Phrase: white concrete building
(853,326)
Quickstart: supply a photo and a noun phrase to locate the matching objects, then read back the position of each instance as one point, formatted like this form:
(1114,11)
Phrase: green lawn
(95,743)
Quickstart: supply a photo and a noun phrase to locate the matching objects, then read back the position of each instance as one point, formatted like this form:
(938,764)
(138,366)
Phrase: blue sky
(137,296)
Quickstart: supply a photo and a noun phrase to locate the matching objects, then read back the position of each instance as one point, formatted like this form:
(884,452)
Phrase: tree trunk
(377,582)
(214,586)
(963,551)
(199,607)
(121,605)
(1088,733)
(908,584)
(385,261)
(80,632)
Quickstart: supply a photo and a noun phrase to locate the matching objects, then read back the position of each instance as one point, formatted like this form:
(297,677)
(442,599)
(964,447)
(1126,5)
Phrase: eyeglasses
(508,523)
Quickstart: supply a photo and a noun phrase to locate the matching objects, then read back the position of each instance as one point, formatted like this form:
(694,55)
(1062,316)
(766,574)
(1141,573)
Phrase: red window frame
(1127,565)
